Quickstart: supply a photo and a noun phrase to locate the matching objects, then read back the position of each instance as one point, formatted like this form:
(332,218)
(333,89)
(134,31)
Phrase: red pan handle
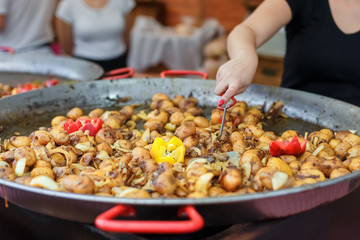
(7,49)
(119,73)
(163,74)
(106,222)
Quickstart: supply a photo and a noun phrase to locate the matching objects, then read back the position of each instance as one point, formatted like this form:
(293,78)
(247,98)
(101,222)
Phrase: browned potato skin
(43,171)
(78,184)
(185,130)
(352,163)
(191,141)
(157,115)
(310,173)
(253,157)
(201,122)
(195,111)
(162,104)
(25,152)
(57,120)
(23,180)
(104,146)
(341,149)
(315,160)
(148,165)
(352,139)
(154,125)
(160,96)
(115,120)
(42,163)
(187,103)
(177,99)
(7,173)
(177,118)
(288,158)
(42,137)
(96,113)
(107,135)
(329,165)
(8,156)
(231,179)
(338,172)
(216,191)
(74,113)
(216,117)
(61,138)
(20,141)
(140,153)
(236,136)
(165,183)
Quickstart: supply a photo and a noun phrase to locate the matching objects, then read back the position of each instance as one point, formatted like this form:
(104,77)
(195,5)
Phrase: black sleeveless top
(320,58)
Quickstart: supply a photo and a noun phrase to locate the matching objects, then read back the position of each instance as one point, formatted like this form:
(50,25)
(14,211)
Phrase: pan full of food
(145,155)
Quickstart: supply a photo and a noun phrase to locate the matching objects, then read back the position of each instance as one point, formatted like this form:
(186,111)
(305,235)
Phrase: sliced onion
(203,182)
(20,167)
(146,135)
(103,155)
(4,164)
(194,160)
(78,166)
(85,147)
(44,182)
(278,180)
(316,152)
(170,126)
(63,152)
(142,115)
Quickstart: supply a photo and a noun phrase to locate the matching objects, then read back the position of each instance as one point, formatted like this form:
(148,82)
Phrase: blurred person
(322,52)
(94,30)
(26,25)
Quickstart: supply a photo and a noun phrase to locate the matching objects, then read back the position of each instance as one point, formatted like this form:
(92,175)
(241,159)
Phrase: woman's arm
(235,76)
(65,36)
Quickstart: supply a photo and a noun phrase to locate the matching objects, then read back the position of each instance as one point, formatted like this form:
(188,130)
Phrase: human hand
(235,76)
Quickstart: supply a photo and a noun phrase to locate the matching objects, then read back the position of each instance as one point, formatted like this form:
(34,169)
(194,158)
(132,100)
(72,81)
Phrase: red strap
(105,222)
(7,49)
(120,73)
(163,74)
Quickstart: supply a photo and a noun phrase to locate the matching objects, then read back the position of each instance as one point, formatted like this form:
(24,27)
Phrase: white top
(28,23)
(97,33)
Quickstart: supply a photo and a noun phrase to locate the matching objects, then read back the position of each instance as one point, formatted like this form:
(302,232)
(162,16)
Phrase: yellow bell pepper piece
(172,151)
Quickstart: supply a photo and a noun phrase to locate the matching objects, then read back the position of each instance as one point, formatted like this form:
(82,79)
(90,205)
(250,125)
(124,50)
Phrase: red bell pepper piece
(97,123)
(294,147)
(70,126)
(51,82)
(92,125)
(90,128)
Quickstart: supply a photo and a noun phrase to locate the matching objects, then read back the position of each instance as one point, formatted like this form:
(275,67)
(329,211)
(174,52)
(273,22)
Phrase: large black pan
(29,110)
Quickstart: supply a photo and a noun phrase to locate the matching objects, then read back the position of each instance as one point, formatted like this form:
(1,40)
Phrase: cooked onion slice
(20,167)
(316,152)
(44,182)
(4,164)
(63,152)
(203,183)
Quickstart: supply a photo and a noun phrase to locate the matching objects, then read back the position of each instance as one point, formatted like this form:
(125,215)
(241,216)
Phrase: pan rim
(181,201)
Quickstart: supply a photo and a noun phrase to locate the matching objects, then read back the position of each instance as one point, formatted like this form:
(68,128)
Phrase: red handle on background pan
(106,222)
(7,49)
(119,73)
(163,74)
